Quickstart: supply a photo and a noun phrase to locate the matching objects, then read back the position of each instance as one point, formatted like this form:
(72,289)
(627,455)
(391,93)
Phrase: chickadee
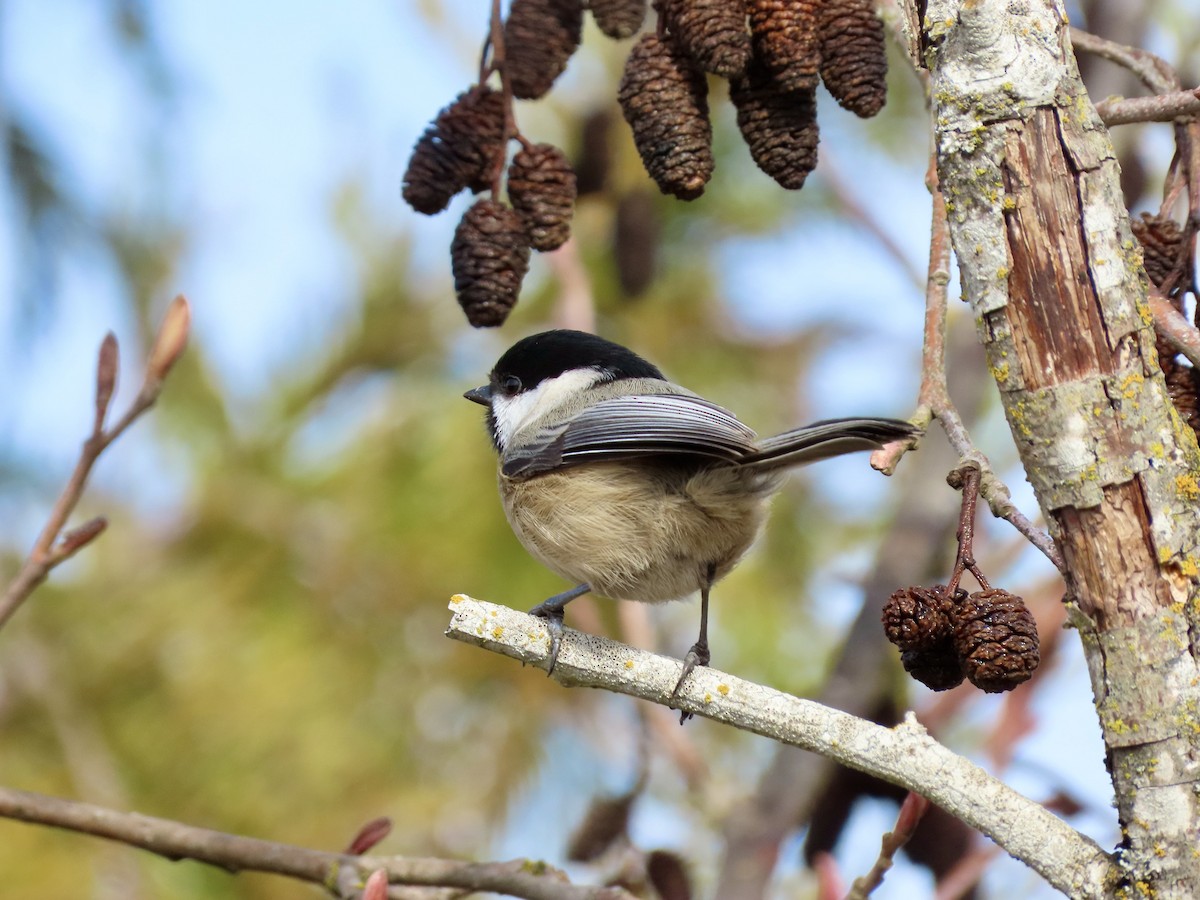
(630,486)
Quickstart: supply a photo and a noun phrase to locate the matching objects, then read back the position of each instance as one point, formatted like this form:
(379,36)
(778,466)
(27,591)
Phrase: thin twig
(1178,331)
(967,477)
(1153,70)
(339,872)
(48,550)
(1159,108)
(933,396)
(912,810)
(499,63)
(905,755)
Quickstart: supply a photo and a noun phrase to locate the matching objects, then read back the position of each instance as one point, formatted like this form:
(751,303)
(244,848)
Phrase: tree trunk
(1054,277)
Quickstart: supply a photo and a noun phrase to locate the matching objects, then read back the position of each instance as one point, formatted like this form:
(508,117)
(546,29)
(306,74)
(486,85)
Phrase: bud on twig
(80,537)
(376,887)
(106,378)
(170,342)
(369,835)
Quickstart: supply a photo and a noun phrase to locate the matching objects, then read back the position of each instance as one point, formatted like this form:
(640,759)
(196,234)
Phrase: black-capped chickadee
(630,486)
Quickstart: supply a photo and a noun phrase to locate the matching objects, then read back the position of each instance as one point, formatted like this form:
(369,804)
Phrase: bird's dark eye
(510,384)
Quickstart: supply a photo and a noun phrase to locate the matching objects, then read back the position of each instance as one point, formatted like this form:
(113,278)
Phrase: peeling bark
(1054,277)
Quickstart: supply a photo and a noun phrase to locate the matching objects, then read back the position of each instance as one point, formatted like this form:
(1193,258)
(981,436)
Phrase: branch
(912,810)
(1159,108)
(339,872)
(904,755)
(1178,331)
(1153,70)
(48,551)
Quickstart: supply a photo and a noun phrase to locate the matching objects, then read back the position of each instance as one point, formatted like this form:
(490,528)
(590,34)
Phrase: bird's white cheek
(516,412)
(511,414)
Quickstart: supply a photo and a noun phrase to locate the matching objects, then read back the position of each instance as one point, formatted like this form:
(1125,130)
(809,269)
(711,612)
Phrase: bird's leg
(551,609)
(699,655)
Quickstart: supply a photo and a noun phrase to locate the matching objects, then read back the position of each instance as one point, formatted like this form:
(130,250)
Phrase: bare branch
(1159,108)
(912,810)
(905,755)
(339,872)
(1178,331)
(933,397)
(47,550)
(1153,70)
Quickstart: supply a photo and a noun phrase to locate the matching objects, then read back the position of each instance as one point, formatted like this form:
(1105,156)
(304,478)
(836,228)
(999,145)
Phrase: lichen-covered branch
(905,755)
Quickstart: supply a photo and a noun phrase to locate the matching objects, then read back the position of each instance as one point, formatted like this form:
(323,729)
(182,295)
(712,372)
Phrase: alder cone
(786,40)
(853,55)
(712,32)
(637,237)
(594,157)
(664,98)
(937,667)
(541,186)
(916,618)
(539,38)
(458,150)
(779,127)
(1162,245)
(489,257)
(618,19)
(996,638)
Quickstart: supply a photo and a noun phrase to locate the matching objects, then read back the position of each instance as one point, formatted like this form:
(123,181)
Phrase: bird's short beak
(481,395)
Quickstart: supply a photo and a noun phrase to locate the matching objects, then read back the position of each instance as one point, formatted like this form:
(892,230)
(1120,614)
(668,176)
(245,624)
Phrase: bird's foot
(697,656)
(552,612)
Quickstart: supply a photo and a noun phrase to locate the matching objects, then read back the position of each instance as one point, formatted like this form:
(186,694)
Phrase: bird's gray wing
(634,426)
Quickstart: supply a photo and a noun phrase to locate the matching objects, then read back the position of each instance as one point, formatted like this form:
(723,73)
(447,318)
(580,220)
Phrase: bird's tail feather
(821,440)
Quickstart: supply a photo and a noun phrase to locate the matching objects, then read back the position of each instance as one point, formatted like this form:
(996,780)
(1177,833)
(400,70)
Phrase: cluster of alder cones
(773,52)
(989,637)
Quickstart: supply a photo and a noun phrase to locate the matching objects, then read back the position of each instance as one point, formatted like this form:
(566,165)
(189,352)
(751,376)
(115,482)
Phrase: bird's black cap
(551,353)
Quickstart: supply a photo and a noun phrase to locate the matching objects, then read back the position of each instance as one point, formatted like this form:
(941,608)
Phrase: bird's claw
(697,656)
(553,616)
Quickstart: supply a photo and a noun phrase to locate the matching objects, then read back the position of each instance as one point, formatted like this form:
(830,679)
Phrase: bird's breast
(648,532)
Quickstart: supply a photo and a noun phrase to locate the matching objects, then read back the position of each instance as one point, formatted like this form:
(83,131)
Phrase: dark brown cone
(539,38)
(853,55)
(786,40)
(935,667)
(636,240)
(712,32)
(1162,244)
(996,638)
(618,19)
(541,186)
(917,618)
(665,101)
(593,159)
(488,256)
(779,127)
(458,150)
(1183,387)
